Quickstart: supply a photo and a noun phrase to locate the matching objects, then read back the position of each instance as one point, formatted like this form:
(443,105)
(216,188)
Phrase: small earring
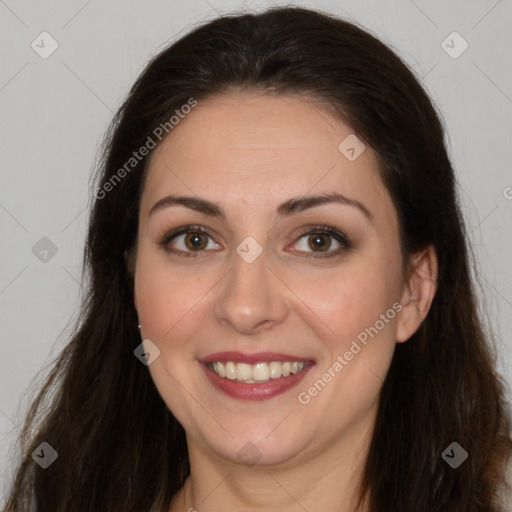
(139,326)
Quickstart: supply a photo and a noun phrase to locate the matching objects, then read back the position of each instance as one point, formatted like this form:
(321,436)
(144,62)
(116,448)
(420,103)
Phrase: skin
(249,153)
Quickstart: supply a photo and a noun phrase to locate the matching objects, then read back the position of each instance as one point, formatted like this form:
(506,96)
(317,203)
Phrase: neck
(329,481)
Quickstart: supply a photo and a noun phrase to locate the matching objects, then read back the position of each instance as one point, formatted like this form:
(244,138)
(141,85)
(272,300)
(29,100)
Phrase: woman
(280,313)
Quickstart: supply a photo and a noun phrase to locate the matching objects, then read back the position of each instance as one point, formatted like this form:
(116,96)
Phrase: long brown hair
(119,447)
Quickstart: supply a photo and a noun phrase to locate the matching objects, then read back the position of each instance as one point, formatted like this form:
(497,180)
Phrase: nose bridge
(251,296)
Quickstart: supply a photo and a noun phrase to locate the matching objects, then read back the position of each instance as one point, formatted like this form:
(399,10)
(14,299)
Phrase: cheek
(354,311)
(342,303)
(169,308)
(355,320)
(165,298)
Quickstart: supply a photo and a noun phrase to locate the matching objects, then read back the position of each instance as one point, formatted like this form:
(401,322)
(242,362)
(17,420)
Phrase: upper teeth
(259,372)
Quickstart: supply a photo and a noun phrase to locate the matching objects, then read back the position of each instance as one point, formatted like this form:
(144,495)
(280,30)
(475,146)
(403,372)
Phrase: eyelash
(341,238)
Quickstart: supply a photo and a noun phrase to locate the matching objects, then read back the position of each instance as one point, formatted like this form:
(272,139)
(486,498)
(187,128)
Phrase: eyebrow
(289,207)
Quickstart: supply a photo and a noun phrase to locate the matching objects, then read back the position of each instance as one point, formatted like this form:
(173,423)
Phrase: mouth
(255,376)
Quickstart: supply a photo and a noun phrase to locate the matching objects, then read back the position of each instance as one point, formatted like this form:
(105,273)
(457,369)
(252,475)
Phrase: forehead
(260,150)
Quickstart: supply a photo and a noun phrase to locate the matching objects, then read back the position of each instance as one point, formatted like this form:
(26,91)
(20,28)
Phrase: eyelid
(186,229)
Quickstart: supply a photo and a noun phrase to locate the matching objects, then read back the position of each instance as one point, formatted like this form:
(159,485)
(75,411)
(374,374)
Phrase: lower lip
(252,391)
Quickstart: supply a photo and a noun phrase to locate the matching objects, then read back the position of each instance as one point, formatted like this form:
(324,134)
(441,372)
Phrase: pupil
(195,240)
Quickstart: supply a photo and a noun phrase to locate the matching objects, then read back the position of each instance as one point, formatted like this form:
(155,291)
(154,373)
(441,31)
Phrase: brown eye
(319,242)
(196,241)
(189,241)
(322,241)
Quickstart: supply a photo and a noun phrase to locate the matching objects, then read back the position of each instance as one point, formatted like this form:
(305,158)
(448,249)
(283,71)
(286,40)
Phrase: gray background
(54,112)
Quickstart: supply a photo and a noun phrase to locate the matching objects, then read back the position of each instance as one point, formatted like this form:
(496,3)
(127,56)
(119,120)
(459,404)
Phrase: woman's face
(292,260)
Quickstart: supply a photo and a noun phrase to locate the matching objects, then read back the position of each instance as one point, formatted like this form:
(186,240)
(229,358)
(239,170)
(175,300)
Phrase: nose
(252,298)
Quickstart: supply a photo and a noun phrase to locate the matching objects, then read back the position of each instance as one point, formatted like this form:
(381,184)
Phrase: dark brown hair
(119,447)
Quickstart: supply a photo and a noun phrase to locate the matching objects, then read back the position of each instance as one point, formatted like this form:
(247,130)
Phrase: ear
(418,293)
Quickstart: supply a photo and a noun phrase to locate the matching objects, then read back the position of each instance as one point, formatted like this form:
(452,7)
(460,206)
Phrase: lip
(254,391)
(259,357)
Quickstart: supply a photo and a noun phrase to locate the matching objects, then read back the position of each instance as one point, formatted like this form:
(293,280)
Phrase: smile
(257,376)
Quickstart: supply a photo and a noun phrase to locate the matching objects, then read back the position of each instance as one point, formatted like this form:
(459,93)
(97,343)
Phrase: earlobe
(418,292)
